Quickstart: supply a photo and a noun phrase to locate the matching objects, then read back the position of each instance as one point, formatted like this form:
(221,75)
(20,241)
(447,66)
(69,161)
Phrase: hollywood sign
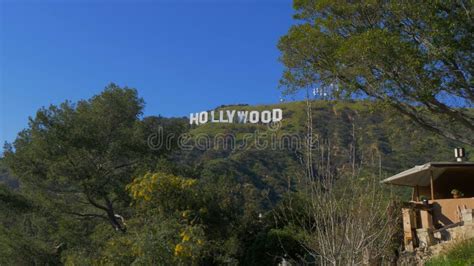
(233,116)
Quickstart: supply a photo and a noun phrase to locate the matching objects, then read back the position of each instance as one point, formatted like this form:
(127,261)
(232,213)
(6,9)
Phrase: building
(442,202)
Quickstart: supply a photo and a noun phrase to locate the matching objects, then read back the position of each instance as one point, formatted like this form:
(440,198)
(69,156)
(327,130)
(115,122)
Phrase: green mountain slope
(353,133)
(223,197)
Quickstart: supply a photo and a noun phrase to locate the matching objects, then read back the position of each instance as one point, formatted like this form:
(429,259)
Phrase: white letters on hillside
(233,116)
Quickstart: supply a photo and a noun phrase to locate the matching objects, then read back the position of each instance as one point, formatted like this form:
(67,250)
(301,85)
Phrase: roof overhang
(420,175)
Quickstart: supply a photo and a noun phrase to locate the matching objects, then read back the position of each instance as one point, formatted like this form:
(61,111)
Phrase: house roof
(420,175)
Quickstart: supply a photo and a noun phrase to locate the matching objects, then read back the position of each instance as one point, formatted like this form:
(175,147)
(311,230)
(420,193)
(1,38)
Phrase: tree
(414,56)
(24,231)
(79,157)
(339,216)
(5,176)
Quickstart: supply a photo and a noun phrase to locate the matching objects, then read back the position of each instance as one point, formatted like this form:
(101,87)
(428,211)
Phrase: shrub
(460,254)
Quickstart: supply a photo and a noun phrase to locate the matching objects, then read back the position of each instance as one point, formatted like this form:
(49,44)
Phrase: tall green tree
(416,56)
(78,158)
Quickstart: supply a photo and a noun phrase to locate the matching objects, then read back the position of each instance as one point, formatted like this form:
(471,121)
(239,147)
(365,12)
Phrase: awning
(420,175)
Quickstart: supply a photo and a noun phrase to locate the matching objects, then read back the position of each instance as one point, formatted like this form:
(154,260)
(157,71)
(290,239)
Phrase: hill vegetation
(460,254)
(94,189)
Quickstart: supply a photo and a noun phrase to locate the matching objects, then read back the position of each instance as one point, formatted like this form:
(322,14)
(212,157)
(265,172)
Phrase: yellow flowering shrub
(179,250)
(191,245)
(164,189)
(176,198)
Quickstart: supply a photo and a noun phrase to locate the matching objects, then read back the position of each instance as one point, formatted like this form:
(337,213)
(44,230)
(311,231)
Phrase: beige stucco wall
(447,211)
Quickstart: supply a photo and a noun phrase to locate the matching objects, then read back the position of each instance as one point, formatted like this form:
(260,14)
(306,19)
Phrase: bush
(460,254)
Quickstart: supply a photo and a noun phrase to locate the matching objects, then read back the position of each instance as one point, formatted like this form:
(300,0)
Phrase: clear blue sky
(182,56)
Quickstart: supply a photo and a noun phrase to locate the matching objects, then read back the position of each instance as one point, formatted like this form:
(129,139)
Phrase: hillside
(368,125)
(460,253)
(202,203)
(360,133)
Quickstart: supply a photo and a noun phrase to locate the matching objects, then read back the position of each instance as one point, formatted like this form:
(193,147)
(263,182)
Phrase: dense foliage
(461,253)
(94,190)
(416,56)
